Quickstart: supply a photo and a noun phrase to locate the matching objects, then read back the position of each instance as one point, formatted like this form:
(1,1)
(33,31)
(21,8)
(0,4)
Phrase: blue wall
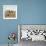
(33,12)
(7,26)
(28,12)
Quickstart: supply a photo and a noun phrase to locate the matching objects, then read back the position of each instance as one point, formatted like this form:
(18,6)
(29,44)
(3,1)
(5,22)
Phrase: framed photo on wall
(9,11)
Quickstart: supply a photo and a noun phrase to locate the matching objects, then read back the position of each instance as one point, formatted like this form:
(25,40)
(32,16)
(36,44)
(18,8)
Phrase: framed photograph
(9,11)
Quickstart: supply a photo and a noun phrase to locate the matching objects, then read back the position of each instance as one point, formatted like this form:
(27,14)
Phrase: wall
(7,26)
(29,12)
(33,12)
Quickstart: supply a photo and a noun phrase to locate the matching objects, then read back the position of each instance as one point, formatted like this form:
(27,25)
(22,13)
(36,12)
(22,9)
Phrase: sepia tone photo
(10,12)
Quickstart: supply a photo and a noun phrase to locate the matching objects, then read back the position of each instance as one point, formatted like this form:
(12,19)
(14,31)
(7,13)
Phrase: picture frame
(9,11)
